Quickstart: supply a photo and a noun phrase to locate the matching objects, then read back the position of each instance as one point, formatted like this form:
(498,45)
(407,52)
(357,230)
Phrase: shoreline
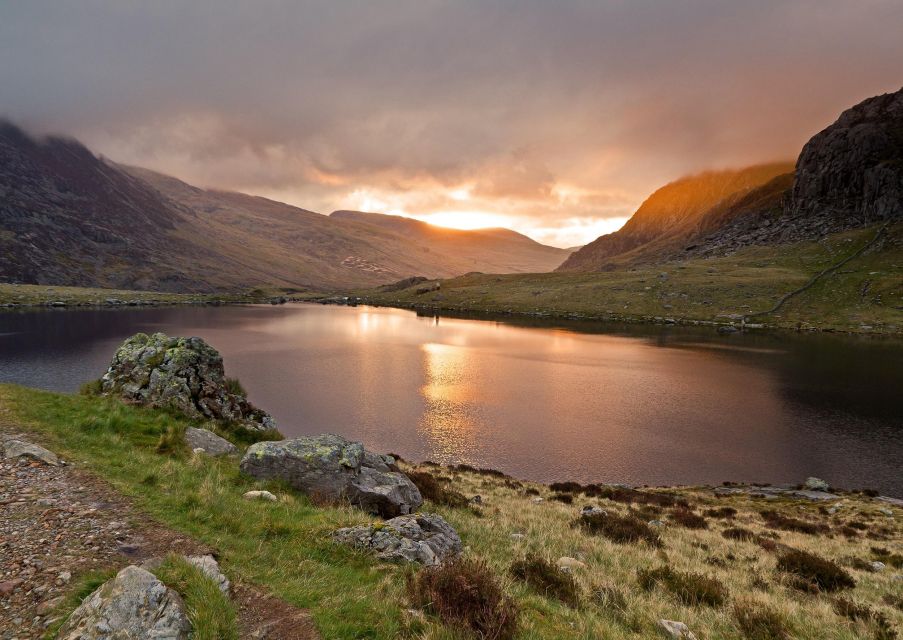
(732,540)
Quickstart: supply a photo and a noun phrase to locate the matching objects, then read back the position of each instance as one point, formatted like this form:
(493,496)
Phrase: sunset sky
(552,118)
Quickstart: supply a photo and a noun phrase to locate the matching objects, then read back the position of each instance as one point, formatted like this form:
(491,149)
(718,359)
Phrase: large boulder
(134,605)
(425,538)
(208,442)
(185,374)
(332,469)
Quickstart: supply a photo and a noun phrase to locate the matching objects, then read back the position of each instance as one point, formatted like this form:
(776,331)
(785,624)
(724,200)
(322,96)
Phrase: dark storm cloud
(541,109)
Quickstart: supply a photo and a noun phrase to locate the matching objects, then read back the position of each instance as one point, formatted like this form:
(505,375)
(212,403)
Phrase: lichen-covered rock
(185,374)
(208,442)
(425,538)
(674,630)
(330,468)
(134,605)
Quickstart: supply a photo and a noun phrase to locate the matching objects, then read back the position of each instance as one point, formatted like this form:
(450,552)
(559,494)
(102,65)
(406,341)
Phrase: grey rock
(592,510)
(674,630)
(134,605)
(185,374)
(816,484)
(425,538)
(210,568)
(20,449)
(332,469)
(259,495)
(208,442)
(876,566)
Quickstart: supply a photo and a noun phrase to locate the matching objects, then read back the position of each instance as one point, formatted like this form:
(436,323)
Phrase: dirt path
(57,523)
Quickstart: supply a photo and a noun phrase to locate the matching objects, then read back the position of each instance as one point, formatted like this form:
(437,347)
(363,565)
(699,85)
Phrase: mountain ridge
(69,217)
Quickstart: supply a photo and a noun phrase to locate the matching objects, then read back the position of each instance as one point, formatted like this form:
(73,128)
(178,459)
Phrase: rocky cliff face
(848,176)
(851,174)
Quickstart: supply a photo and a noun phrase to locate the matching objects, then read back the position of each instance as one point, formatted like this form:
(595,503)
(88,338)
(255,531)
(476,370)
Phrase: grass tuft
(760,623)
(776,520)
(466,595)
(690,588)
(435,491)
(617,528)
(547,578)
(821,573)
(686,518)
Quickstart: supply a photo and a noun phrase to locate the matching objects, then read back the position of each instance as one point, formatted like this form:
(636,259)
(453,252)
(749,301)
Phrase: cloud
(516,103)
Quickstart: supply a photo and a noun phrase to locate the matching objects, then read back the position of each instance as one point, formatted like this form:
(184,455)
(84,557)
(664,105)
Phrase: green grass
(866,294)
(285,547)
(211,612)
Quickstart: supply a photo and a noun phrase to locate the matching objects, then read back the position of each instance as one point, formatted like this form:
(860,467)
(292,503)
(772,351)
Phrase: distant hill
(849,175)
(500,250)
(68,217)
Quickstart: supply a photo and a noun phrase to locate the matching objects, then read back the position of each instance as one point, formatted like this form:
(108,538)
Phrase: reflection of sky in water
(660,406)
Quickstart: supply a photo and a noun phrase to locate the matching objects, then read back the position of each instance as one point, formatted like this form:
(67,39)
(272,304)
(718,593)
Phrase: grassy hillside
(866,294)
(727,566)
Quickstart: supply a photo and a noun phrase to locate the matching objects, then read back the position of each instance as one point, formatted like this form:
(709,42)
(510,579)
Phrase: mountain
(671,215)
(502,250)
(68,217)
(847,176)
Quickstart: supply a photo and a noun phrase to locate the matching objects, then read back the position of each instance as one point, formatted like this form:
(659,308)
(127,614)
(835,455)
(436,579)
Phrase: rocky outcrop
(851,174)
(208,442)
(185,374)
(425,538)
(330,468)
(132,606)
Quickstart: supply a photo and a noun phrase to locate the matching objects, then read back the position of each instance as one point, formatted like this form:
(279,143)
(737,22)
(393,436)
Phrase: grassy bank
(865,295)
(715,564)
(33,295)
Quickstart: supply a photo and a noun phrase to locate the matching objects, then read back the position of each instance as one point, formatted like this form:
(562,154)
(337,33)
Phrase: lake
(577,401)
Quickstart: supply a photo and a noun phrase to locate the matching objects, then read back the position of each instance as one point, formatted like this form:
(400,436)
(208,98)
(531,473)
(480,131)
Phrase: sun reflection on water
(449,421)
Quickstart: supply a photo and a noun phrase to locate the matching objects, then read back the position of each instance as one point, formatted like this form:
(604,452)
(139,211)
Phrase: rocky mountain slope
(68,217)
(671,216)
(848,176)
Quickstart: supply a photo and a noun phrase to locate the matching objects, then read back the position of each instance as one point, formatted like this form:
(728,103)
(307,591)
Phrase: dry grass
(547,579)
(285,547)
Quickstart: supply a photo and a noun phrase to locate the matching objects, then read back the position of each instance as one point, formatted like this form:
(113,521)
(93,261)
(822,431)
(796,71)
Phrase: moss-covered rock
(184,374)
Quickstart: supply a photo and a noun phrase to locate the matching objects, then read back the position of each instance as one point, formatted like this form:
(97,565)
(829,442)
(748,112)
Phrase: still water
(579,401)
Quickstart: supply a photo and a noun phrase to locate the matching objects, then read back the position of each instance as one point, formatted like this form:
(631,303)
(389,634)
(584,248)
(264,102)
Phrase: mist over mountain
(847,176)
(68,217)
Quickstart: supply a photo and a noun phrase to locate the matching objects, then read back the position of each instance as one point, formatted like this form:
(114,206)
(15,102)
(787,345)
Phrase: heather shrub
(466,595)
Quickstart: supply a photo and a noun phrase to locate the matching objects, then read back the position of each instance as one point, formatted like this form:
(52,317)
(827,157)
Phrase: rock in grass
(425,538)
(134,604)
(259,495)
(330,468)
(20,449)
(185,374)
(208,442)
(816,484)
(674,630)
(210,568)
